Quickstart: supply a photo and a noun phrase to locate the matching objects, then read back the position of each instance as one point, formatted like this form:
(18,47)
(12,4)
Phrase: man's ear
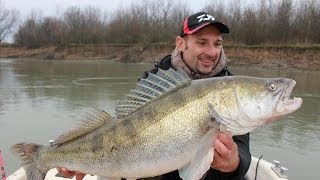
(180,43)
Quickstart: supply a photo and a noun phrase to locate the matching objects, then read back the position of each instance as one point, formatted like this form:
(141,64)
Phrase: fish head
(257,101)
(283,103)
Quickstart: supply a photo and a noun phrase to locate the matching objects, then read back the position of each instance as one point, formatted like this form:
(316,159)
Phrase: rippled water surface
(41,99)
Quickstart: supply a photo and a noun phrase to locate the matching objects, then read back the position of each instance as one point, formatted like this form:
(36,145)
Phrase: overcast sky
(51,7)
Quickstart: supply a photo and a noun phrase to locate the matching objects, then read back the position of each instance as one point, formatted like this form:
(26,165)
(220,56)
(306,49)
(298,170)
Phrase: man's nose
(212,50)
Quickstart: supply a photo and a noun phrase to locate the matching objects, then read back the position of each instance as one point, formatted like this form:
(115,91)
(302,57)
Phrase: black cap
(199,20)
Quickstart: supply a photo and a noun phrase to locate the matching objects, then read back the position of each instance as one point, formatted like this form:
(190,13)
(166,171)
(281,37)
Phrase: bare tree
(282,25)
(265,19)
(307,22)
(218,10)
(8,19)
(235,12)
(74,22)
(147,22)
(92,25)
(29,33)
(51,31)
(249,32)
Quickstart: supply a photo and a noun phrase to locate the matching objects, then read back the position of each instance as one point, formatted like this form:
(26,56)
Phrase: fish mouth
(286,103)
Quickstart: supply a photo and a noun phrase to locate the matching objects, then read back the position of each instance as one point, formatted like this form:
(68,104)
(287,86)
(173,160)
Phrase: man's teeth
(206,60)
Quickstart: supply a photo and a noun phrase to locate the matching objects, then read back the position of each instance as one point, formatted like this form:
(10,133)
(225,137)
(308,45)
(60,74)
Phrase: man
(199,52)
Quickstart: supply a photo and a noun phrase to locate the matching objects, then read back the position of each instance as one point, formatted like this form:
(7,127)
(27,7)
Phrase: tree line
(8,19)
(258,22)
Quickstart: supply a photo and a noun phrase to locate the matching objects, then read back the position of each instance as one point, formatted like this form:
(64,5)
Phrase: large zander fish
(167,122)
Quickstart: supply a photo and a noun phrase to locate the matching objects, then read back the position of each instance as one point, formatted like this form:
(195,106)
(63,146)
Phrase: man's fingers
(66,173)
(226,140)
(79,175)
(226,157)
(69,174)
(220,148)
(216,160)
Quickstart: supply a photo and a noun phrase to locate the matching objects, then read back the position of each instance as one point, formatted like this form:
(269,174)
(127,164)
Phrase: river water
(41,99)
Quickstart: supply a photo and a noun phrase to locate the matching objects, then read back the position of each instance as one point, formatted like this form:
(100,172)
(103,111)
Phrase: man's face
(201,51)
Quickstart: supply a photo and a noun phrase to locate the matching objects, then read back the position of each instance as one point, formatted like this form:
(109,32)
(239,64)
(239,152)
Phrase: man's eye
(201,43)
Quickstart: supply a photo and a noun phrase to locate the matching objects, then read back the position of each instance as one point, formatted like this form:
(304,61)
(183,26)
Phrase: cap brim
(222,27)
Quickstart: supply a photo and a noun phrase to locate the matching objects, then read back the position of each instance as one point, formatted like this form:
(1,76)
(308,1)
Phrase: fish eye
(272,87)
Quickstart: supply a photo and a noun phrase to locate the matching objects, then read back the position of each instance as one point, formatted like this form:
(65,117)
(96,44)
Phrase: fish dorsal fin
(91,120)
(150,88)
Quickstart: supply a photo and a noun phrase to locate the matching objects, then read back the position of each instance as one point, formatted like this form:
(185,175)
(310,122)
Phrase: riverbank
(306,58)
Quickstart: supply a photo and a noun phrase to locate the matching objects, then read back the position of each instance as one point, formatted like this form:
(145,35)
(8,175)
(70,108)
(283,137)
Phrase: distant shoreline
(305,58)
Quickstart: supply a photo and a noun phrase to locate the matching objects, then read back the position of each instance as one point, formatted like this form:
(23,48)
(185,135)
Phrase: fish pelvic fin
(27,153)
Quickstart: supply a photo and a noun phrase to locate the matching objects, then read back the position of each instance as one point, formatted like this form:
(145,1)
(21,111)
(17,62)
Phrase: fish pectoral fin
(215,117)
(202,158)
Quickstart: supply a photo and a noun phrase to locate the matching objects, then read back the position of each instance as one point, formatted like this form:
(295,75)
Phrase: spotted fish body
(167,122)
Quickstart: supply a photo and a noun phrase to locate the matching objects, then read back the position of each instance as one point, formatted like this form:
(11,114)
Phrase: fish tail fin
(27,153)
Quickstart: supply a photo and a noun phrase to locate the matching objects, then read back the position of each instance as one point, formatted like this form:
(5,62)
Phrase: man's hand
(69,174)
(226,158)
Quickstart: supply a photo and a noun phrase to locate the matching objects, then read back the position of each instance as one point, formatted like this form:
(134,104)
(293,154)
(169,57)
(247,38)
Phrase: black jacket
(242,141)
